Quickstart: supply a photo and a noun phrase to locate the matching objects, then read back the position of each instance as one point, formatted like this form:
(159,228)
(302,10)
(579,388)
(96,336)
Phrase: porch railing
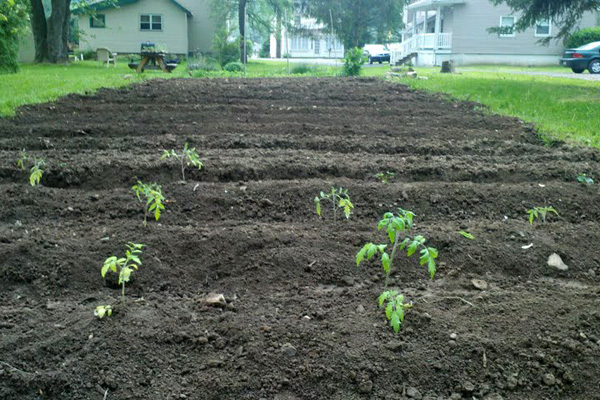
(422,41)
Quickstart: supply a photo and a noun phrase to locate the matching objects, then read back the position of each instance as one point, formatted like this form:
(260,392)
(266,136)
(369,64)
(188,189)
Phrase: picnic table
(154,60)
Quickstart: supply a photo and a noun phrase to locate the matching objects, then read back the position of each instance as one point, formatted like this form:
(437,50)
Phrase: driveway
(569,75)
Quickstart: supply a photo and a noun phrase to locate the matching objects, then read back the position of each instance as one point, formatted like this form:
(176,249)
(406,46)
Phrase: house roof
(423,5)
(82,7)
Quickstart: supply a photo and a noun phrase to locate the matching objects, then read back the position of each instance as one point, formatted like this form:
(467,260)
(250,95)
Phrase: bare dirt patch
(301,320)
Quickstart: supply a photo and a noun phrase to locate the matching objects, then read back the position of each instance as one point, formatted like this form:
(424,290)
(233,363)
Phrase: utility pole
(287,49)
(245,43)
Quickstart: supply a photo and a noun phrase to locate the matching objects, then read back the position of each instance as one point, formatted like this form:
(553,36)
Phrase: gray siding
(122,33)
(181,34)
(472,19)
(202,26)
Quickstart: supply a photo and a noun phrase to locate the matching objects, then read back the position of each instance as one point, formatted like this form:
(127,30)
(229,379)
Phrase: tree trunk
(242,23)
(40,30)
(278,35)
(58,31)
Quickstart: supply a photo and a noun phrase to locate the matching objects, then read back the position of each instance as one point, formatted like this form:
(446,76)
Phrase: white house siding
(314,48)
(26,49)
(469,33)
(316,45)
(201,26)
(122,33)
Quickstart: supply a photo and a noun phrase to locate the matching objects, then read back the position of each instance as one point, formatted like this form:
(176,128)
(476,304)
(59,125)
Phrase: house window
(151,22)
(507,26)
(98,21)
(542,28)
(333,44)
(299,43)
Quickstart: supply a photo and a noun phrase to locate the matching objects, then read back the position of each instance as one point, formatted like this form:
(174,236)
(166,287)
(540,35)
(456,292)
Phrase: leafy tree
(265,16)
(50,33)
(564,13)
(357,22)
(13,23)
(51,22)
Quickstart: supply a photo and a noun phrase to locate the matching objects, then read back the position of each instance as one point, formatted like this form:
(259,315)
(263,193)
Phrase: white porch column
(438,27)
(425,22)
(414,23)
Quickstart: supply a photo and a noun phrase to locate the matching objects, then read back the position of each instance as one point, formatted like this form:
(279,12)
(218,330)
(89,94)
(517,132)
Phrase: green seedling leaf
(102,311)
(583,178)
(467,235)
(361,254)
(389,309)
(385,261)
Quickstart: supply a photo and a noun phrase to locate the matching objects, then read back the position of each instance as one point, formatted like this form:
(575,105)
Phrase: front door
(318,46)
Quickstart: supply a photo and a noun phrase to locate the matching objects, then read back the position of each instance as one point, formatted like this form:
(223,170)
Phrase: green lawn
(562,108)
(47,82)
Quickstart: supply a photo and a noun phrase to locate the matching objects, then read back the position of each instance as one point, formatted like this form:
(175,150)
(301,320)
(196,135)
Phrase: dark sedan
(582,58)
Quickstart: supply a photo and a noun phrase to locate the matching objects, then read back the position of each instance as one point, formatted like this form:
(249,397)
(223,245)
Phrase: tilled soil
(301,320)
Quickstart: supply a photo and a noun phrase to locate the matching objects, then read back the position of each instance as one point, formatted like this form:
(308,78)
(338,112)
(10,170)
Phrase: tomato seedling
(102,311)
(35,171)
(385,177)
(583,178)
(187,157)
(540,213)
(394,308)
(339,198)
(124,266)
(398,227)
(151,197)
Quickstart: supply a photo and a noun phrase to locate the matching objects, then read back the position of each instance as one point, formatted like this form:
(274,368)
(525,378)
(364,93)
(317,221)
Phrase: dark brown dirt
(301,320)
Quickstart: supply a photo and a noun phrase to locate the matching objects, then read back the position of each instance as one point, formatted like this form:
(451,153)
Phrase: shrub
(582,37)
(202,63)
(265,49)
(234,67)
(13,22)
(354,61)
(302,69)
(224,50)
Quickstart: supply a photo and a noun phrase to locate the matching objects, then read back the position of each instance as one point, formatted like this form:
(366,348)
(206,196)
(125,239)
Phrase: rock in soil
(556,261)
(289,350)
(365,387)
(413,393)
(479,284)
(549,379)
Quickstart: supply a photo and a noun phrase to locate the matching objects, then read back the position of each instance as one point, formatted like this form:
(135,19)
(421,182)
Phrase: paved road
(315,61)
(585,76)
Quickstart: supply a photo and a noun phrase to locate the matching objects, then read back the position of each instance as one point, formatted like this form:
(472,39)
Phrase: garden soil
(297,318)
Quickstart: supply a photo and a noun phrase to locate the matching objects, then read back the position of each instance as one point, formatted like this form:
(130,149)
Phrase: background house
(181,26)
(307,39)
(439,30)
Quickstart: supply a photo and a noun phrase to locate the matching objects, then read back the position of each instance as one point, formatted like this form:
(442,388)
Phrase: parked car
(377,53)
(582,58)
